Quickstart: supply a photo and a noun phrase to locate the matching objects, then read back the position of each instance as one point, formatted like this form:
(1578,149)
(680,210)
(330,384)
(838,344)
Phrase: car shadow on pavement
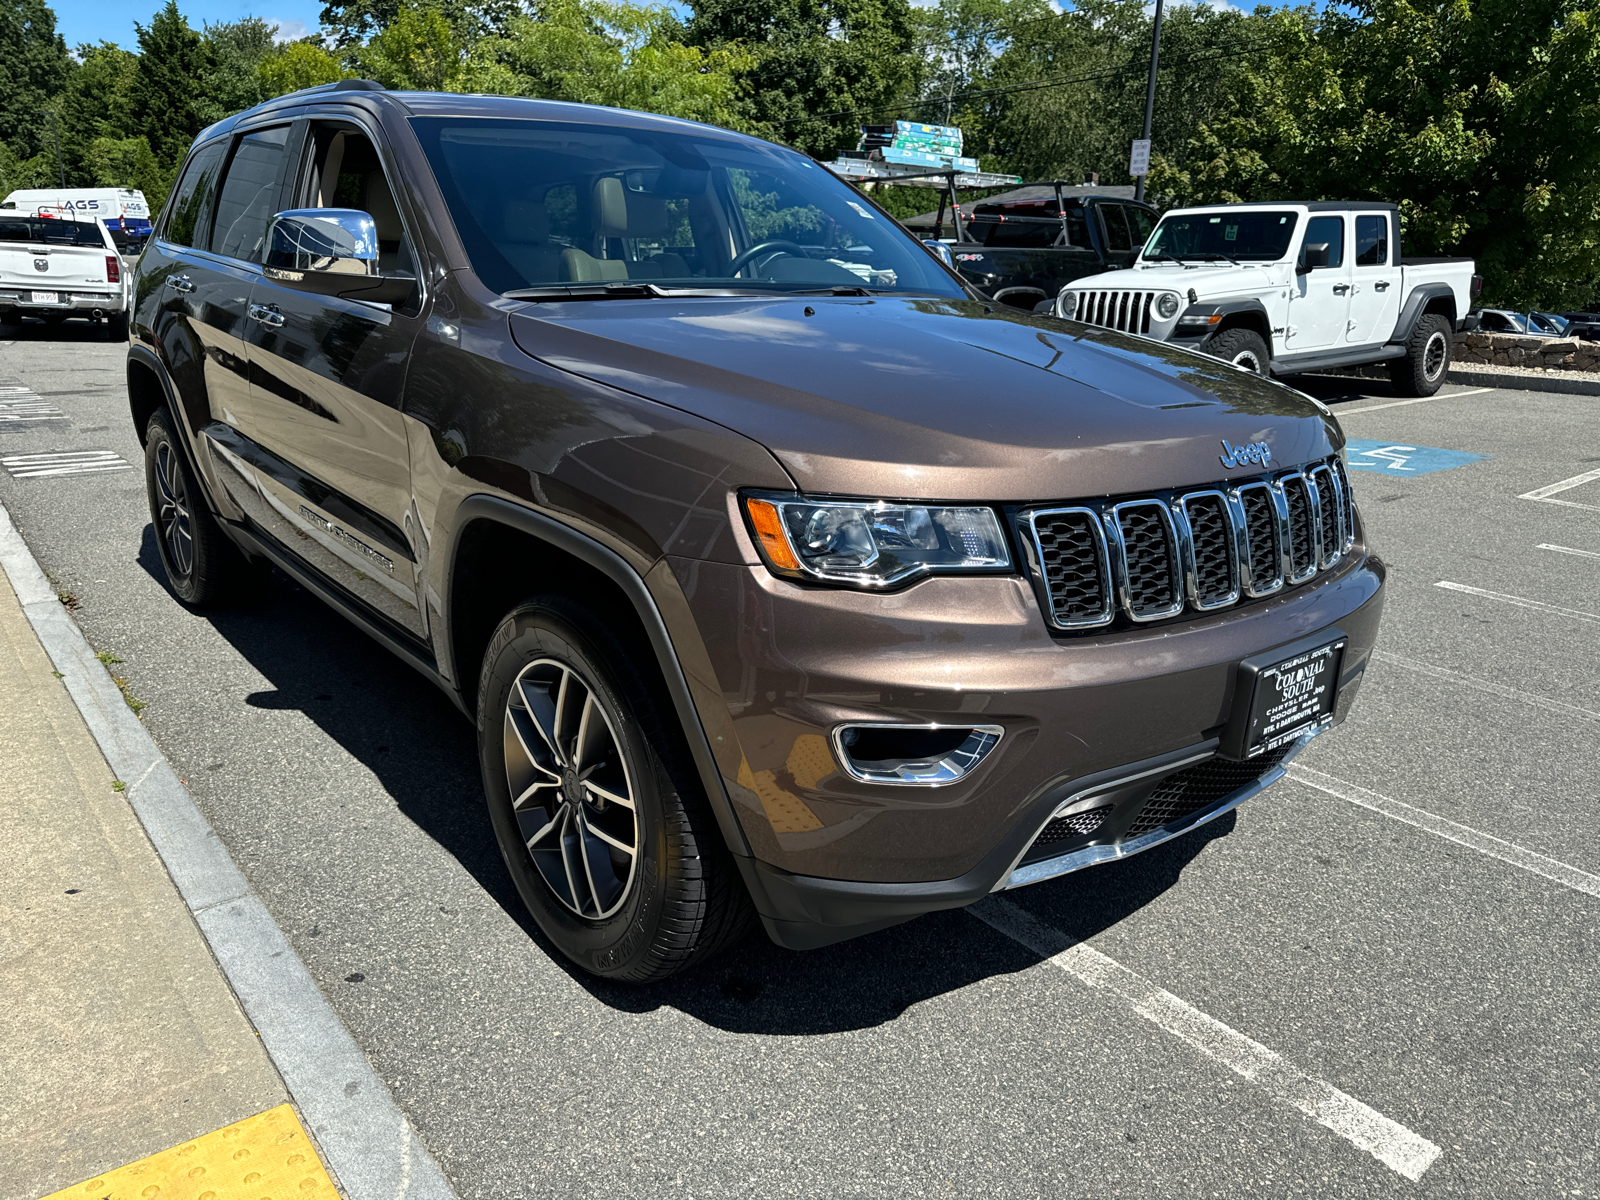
(76,330)
(424,753)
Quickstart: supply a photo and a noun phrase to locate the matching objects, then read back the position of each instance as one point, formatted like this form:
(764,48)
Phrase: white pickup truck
(55,269)
(1288,287)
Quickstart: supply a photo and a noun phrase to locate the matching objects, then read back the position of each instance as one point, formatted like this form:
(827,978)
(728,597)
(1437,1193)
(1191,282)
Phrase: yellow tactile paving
(265,1157)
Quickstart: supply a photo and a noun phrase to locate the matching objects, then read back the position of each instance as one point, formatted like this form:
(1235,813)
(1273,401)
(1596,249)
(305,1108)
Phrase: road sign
(1139,161)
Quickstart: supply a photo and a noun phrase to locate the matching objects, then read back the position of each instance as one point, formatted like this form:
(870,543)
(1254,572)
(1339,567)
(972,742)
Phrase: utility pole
(55,131)
(1150,91)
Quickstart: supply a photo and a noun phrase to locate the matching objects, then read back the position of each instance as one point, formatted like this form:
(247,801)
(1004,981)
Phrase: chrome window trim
(1119,561)
(1108,606)
(1191,566)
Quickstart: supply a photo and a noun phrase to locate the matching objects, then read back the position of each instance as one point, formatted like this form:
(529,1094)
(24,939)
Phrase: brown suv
(783,577)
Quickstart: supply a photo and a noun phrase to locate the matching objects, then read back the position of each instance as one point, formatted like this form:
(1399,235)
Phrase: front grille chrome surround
(1197,550)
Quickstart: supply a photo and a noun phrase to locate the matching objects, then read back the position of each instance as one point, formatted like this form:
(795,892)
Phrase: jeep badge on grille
(1235,456)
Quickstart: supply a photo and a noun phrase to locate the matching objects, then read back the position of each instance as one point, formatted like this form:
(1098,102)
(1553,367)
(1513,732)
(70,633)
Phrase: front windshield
(561,205)
(1205,237)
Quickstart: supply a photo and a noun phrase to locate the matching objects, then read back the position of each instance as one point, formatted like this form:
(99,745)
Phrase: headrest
(610,207)
(380,204)
(647,215)
(524,222)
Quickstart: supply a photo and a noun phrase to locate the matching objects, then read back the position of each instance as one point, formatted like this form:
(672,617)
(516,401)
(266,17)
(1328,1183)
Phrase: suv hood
(933,398)
(1207,283)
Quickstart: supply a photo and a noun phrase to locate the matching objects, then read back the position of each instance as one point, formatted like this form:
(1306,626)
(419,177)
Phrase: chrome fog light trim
(927,770)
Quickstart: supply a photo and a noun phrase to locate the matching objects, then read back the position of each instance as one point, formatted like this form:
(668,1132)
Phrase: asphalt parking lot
(1376,979)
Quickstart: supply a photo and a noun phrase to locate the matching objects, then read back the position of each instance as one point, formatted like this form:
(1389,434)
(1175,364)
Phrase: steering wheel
(740,261)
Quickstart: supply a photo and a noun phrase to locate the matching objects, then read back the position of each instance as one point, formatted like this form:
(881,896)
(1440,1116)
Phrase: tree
(166,105)
(417,51)
(812,63)
(234,53)
(298,65)
(353,22)
(128,163)
(94,104)
(34,66)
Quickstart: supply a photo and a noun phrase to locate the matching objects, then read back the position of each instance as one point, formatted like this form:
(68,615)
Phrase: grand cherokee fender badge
(347,539)
(1237,456)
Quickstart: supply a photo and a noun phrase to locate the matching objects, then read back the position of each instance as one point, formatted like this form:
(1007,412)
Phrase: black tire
(682,899)
(117,327)
(203,567)
(1244,348)
(1426,364)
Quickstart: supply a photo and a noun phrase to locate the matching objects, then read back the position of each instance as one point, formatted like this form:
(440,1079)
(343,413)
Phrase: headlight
(873,544)
(1167,305)
(1067,305)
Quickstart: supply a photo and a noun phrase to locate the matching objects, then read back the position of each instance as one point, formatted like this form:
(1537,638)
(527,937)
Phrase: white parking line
(1567,550)
(1546,493)
(1391,1143)
(20,403)
(1350,412)
(1463,835)
(76,462)
(1486,685)
(1521,602)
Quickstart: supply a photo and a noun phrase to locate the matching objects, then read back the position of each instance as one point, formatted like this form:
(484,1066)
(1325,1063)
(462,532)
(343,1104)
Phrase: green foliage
(34,67)
(231,81)
(94,104)
(352,23)
(16,173)
(127,163)
(298,65)
(166,105)
(811,62)
(417,51)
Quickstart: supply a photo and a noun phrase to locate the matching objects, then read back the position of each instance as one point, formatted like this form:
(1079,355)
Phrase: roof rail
(359,85)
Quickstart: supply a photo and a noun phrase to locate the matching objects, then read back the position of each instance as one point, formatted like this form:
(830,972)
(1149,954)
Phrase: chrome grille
(1151,558)
(1127,311)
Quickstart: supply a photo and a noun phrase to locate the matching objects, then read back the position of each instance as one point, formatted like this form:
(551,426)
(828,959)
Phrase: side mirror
(330,252)
(1312,256)
(940,251)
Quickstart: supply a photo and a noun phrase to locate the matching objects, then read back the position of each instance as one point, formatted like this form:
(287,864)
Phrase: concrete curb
(367,1143)
(1525,383)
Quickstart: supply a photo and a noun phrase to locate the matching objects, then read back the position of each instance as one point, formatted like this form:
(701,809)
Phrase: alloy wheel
(1434,355)
(173,521)
(1246,360)
(570,789)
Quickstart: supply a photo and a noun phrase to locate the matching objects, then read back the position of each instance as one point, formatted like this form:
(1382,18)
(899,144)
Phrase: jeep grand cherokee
(784,578)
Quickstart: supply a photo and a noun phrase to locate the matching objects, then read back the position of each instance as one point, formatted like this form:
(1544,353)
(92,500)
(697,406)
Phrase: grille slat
(1188,791)
(1150,559)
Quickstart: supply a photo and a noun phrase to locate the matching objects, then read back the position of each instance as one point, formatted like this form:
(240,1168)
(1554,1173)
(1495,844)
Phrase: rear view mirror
(330,252)
(940,251)
(1312,256)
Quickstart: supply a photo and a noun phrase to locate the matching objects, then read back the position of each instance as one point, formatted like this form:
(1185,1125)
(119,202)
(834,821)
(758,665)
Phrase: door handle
(179,283)
(267,315)
(1382,285)
(1340,289)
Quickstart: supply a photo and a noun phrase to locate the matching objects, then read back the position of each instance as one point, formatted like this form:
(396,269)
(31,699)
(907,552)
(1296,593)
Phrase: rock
(1529,343)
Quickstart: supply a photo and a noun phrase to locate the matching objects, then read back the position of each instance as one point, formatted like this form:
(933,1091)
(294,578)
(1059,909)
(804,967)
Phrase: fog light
(930,755)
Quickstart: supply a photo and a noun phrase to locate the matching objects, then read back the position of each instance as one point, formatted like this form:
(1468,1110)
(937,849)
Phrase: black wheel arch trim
(1226,309)
(1416,302)
(608,562)
(146,358)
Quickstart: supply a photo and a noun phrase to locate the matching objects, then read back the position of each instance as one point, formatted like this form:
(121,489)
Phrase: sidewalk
(119,1036)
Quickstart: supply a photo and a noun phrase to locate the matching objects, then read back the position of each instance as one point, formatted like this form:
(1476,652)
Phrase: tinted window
(1329,230)
(1025,225)
(44,232)
(1142,224)
(1372,241)
(249,194)
(1116,227)
(191,202)
(1245,236)
(544,203)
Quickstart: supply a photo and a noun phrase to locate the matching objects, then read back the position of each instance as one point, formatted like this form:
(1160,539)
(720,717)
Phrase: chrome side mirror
(330,252)
(940,251)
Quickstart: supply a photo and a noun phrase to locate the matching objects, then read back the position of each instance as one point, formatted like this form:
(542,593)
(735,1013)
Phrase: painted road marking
(1486,685)
(1567,550)
(1350,412)
(19,403)
(265,1155)
(1390,458)
(1521,602)
(1391,1143)
(1546,493)
(72,462)
(1463,835)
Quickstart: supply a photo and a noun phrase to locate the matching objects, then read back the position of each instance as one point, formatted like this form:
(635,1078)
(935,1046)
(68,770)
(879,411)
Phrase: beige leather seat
(524,239)
(648,218)
(394,257)
(609,210)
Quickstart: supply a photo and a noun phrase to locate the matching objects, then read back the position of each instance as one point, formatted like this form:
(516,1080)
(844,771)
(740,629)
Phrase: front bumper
(1117,712)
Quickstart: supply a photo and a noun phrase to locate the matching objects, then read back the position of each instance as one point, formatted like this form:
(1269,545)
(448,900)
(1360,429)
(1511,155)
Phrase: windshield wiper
(1214,257)
(635,290)
(841,289)
(1166,257)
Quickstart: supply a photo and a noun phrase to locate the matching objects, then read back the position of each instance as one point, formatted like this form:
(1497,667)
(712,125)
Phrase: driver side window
(345,172)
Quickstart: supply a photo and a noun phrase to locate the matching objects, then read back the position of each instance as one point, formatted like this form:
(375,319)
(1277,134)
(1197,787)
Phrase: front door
(327,376)
(1375,288)
(1319,300)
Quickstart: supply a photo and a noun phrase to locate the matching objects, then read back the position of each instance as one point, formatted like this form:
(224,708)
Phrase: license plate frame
(1283,694)
(44,297)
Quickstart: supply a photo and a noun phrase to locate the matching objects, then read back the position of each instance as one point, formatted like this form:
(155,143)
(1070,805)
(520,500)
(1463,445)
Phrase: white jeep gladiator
(54,269)
(1284,288)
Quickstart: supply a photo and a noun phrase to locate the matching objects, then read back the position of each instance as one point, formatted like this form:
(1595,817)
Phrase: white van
(124,210)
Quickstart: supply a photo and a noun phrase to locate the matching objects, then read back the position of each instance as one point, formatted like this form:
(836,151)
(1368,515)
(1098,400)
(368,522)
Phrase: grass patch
(69,600)
(118,786)
(107,658)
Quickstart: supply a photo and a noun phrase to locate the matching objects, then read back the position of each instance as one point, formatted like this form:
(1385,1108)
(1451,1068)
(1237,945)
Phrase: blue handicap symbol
(1395,458)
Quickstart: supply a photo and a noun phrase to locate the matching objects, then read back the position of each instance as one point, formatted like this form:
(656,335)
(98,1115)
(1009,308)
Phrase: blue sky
(100,20)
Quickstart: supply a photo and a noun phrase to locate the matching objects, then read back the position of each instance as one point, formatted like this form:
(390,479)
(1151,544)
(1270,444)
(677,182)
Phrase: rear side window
(191,203)
(1325,229)
(1116,227)
(1142,224)
(1372,241)
(44,232)
(249,194)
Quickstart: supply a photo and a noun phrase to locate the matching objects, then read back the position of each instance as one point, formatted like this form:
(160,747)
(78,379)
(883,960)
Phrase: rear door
(327,376)
(1319,300)
(1118,239)
(1375,289)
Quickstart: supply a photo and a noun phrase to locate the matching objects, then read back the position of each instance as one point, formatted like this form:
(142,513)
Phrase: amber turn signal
(768,525)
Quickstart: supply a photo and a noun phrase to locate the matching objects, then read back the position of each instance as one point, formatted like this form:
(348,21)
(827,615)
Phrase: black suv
(785,578)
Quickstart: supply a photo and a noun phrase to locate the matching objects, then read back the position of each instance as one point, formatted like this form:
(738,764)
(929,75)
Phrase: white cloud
(289,31)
